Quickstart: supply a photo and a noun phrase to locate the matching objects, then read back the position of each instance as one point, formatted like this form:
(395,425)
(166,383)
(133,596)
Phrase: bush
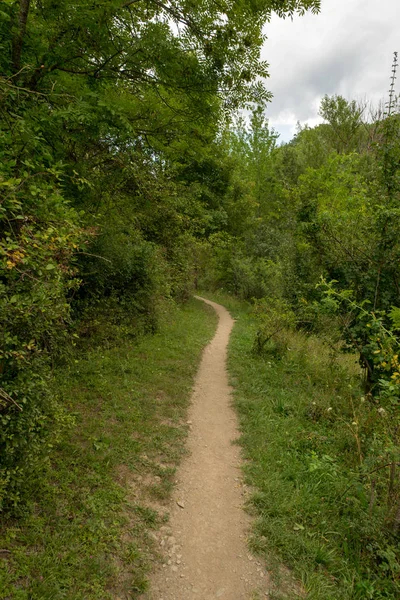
(273,318)
(40,235)
(29,429)
(121,264)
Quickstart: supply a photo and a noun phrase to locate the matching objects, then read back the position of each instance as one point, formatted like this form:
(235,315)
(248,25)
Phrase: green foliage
(40,235)
(345,120)
(273,317)
(348,228)
(318,456)
(89,533)
(373,336)
(324,205)
(112,173)
(252,146)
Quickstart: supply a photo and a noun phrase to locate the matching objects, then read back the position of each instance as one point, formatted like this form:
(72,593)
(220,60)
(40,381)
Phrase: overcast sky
(347,49)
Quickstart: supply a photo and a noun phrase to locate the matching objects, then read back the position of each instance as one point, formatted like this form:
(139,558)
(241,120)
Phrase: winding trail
(206,556)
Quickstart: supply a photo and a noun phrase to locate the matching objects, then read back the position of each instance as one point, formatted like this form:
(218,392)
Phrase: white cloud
(347,49)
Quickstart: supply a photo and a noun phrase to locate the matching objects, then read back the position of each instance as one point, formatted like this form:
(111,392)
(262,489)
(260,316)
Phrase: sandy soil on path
(204,544)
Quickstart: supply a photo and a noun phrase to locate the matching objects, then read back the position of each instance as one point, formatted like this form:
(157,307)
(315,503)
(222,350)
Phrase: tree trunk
(19,36)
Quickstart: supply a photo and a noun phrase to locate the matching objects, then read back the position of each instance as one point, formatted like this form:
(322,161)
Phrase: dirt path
(206,556)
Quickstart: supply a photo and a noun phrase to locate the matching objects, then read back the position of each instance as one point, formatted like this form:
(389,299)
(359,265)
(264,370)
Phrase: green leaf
(395,317)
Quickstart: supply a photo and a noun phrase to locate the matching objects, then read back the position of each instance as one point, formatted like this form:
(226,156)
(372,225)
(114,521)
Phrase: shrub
(40,235)
(273,318)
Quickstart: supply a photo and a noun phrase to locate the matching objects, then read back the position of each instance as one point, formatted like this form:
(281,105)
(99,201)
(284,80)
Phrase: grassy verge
(88,535)
(237,308)
(305,432)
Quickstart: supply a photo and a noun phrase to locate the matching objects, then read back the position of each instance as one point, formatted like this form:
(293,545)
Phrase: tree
(345,121)
(110,172)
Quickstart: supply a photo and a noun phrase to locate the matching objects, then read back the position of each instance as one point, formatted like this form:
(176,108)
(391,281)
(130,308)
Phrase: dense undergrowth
(310,438)
(86,532)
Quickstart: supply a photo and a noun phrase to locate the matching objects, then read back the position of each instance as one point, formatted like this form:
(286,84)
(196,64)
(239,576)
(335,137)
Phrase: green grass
(88,534)
(236,307)
(301,414)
